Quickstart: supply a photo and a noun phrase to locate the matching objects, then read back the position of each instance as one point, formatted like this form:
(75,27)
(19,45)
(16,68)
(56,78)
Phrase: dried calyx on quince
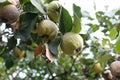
(71,43)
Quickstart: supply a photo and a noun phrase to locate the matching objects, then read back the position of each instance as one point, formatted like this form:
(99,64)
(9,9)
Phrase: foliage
(53,64)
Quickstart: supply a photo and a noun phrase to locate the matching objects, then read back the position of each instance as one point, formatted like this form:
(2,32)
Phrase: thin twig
(74,62)
(49,69)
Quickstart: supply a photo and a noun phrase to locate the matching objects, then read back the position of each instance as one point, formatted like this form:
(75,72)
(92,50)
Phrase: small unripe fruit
(9,14)
(47,29)
(97,68)
(18,52)
(54,10)
(71,43)
(115,69)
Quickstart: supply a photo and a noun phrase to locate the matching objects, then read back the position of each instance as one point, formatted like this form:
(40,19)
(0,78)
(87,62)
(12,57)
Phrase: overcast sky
(88,5)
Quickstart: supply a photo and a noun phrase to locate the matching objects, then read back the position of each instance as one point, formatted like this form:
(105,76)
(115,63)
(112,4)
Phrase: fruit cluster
(46,28)
(112,74)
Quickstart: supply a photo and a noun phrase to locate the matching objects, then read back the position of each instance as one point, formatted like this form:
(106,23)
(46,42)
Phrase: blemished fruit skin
(71,43)
(48,29)
(97,68)
(18,52)
(53,9)
(115,68)
(9,14)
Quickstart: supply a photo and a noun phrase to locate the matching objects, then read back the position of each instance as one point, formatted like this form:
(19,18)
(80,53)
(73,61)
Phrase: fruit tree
(41,40)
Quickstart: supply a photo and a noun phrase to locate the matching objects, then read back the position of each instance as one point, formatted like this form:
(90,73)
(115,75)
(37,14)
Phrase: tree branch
(74,60)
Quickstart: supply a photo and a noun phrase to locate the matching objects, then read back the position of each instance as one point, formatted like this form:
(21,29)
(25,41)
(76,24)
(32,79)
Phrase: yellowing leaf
(38,50)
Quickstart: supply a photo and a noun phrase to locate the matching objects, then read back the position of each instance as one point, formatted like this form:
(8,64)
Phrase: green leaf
(94,27)
(117,13)
(29,55)
(53,46)
(99,16)
(28,21)
(65,24)
(39,5)
(113,33)
(10,45)
(77,10)
(9,63)
(86,61)
(77,24)
(28,7)
(117,46)
(1,59)
(104,41)
(4,2)
(90,18)
(24,1)
(104,58)
(12,41)
(47,1)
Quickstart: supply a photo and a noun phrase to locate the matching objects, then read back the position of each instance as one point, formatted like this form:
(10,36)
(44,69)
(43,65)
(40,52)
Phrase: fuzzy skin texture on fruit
(54,10)
(47,29)
(71,43)
(115,69)
(9,14)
